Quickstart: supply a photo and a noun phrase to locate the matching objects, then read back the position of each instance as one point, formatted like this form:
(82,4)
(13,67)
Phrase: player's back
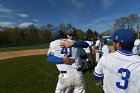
(72,52)
(121,72)
(55,48)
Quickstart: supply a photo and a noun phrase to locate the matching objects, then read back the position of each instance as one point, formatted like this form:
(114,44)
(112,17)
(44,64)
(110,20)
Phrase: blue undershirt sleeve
(97,76)
(54,59)
(81,44)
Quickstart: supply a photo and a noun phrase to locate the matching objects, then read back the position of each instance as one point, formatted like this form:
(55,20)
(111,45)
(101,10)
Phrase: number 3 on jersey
(66,52)
(125,78)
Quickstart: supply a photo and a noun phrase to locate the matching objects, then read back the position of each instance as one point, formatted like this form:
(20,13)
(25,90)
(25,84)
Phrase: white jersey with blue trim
(121,72)
(105,50)
(73,52)
(97,44)
(88,49)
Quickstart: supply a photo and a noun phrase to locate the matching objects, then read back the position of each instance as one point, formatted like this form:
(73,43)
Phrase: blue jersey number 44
(125,76)
(66,52)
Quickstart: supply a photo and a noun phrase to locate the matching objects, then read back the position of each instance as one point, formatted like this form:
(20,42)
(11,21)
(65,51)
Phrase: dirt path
(12,54)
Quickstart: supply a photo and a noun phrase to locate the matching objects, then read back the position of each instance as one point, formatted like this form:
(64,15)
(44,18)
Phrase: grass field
(18,48)
(33,74)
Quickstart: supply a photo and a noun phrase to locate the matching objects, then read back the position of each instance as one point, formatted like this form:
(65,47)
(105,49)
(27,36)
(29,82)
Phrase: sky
(98,15)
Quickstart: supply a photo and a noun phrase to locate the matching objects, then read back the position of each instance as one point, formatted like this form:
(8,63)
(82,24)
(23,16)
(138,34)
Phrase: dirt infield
(12,54)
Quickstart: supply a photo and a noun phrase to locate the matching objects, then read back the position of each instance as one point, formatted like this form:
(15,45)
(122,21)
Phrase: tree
(50,27)
(80,34)
(62,27)
(89,33)
(121,23)
(69,26)
(132,20)
(33,33)
(129,22)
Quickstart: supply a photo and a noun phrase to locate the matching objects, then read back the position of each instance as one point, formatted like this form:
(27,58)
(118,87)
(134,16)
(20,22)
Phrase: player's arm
(79,43)
(51,57)
(59,60)
(54,59)
(98,73)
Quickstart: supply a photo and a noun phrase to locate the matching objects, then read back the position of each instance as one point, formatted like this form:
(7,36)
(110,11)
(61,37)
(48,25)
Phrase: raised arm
(79,43)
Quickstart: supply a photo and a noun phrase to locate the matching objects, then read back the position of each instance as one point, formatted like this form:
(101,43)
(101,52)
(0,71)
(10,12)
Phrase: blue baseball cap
(125,36)
(57,33)
(71,32)
(103,40)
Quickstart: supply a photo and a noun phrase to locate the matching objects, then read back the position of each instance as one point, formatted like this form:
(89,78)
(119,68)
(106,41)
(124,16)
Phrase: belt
(79,69)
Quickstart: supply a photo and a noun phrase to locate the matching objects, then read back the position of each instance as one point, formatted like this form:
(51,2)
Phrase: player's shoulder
(136,57)
(55,43)
(97,41)
(109,55)
(105,46)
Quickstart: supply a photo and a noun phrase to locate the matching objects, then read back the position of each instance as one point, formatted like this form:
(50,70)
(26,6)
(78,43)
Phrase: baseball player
(97,44)
(103,51)
(88,61)
(121,69)
(104,47)
(71,78)
(136,43)
(97,48)
(138,49)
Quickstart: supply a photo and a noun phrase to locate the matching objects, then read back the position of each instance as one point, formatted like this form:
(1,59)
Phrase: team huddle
(119,71)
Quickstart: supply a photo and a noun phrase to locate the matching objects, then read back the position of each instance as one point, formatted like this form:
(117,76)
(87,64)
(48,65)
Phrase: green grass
(6,49)
(33,74)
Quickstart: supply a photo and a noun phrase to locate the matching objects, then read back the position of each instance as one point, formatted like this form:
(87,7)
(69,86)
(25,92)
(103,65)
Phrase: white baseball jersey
(138,49)
(121,72)
(73,52)
(97,43)
(88,51)
(72,80)
(135,48)
(105,50)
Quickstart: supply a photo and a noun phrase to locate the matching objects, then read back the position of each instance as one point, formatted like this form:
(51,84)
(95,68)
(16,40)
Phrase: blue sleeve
(54,59)
(81,44)
(97,76)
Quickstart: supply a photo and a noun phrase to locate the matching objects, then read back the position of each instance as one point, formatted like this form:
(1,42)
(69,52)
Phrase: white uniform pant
(71,82)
